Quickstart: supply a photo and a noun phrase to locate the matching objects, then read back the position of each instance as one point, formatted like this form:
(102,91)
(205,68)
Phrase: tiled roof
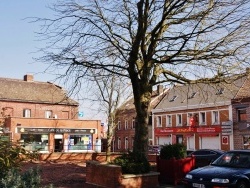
(244,91)
(156,97)
(32,91)
(193,96)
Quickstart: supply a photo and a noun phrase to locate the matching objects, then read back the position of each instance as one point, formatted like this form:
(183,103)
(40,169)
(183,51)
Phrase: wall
(106,175)
(38,110)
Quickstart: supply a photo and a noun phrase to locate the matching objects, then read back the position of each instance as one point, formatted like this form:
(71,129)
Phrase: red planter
(173,171)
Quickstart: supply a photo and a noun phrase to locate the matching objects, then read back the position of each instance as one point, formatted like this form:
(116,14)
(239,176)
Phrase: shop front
(57,139)
(209,137)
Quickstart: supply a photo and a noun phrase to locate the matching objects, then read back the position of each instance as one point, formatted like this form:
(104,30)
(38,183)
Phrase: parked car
(155,149)
(232,169)
(204,157)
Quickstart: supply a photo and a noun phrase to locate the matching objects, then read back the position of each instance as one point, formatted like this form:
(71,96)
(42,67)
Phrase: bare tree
(173,41)
(110,92)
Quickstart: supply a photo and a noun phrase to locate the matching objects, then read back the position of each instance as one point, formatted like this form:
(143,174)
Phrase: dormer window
(219,91)
(192,95)
(173,98)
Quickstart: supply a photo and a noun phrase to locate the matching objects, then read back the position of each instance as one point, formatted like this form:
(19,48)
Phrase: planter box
(106,175)
(172,171)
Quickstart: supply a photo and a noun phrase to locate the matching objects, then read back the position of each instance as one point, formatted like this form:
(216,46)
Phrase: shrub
(14,178)
(132,163)
(11,156)
(177,151)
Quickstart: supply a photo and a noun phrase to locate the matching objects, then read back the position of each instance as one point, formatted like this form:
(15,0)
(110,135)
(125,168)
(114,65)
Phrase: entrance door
(58,143)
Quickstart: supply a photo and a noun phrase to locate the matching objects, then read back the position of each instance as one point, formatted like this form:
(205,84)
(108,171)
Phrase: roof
(31,91)
(157,95)
(193,96)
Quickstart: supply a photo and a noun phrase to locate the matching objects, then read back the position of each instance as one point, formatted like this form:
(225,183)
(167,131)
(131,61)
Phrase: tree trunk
(142,98)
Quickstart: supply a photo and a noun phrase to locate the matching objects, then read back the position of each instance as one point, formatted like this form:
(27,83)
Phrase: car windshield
(237,160)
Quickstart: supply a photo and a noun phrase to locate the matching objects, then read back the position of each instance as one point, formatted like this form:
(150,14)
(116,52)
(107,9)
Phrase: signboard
(54,130)
(226,127)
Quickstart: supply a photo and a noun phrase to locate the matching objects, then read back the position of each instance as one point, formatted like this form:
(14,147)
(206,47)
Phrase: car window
(238,160)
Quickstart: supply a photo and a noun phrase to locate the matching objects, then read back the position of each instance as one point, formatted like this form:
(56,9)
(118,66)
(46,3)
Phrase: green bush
(132,163)
(177,151)
(14,178)
(11,156)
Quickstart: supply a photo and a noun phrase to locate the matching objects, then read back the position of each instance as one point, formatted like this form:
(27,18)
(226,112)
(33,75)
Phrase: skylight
(173,98)
(219,91)
(192,95)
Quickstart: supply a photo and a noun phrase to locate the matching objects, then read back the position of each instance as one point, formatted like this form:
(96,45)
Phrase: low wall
(84,156)
(110,176)
(76,156)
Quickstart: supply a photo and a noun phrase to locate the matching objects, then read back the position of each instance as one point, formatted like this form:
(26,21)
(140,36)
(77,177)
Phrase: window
(219,91)
(133,123)
(119,125)
(48,114)
(119,143)
(242,114)
(126,124)
(27,113)
(169,120)
(132,141)
(202,117)
(33,142)
(192,95)
(215,117)
(65,114)
(80,142)
(158,121)
(178,120)
(173,98)
(126,142)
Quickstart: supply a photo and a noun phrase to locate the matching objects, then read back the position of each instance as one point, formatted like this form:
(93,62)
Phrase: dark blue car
(232,169)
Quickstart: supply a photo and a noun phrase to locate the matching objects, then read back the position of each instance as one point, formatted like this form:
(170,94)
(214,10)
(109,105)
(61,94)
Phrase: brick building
(198,115)
(42,116)
(126,114)
(241,117)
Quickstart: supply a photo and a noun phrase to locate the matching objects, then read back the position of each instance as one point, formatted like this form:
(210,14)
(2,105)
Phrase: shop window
(178,120)
(80,142)
(158,121)
(202,119)
(126,124)
(48,114)
(242,115)
(33,142)
(215,117)
(27,113)
(169,121)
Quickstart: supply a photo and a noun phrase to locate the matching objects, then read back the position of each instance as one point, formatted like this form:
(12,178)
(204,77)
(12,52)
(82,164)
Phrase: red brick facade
(41,116)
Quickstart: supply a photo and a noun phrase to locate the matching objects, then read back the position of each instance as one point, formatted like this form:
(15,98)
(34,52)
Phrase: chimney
(159,89)
(28,78)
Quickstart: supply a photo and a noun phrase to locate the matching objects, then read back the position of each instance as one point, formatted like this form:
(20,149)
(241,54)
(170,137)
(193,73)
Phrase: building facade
(126,122)
(40,115)
(198,115)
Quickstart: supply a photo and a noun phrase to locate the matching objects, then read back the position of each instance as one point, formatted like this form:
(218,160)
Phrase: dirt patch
(62,174)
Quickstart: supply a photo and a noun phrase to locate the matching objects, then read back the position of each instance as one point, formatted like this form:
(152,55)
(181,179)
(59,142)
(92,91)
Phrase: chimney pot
(28,78)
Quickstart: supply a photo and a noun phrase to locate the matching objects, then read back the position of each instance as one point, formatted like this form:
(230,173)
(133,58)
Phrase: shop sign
(54,130)
(226,127)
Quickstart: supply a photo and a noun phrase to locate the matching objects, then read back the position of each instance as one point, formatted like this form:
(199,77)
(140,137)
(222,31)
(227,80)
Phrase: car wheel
(241,184)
